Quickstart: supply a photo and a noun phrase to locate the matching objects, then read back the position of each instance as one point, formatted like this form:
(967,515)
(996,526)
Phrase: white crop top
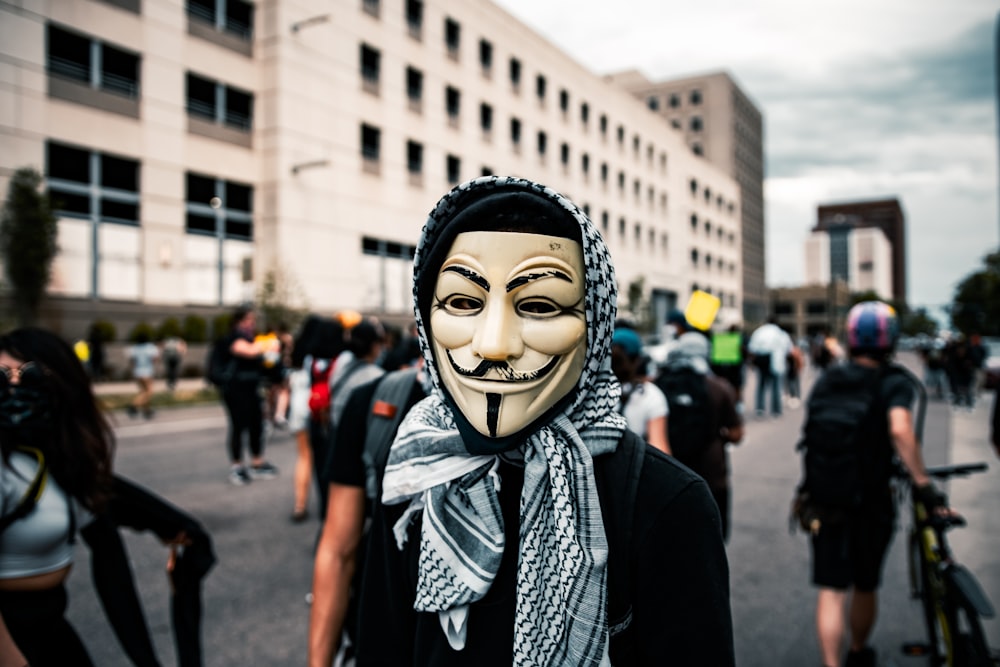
(39,542)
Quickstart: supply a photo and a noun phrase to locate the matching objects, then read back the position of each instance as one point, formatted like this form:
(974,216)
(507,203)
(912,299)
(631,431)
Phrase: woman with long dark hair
(53,436)
(56,482)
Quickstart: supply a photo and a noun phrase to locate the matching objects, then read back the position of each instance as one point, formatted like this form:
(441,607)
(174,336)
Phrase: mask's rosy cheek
(556,336)
(451,332)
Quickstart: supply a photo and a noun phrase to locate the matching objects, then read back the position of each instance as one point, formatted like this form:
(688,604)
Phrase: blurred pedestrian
(354,367)
(142,357)
(769,346)
(174,350)
(727,360)
(702,434)
(95,344)
(241,395)
(642,403)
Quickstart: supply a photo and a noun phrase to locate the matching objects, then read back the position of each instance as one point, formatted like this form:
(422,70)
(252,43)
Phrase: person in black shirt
(340,554)
(501,537)
(848,553)
(242,399)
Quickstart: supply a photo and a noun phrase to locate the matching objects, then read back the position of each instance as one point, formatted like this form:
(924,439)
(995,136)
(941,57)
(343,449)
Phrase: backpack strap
(385,413)
(619,477)
(32,494)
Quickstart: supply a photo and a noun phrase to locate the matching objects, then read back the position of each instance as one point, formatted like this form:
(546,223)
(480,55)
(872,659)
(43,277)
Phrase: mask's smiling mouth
(501,371)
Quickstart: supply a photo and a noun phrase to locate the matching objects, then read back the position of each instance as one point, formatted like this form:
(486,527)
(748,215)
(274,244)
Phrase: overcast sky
(860,99)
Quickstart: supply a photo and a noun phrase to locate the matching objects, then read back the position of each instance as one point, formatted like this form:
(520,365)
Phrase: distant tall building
(885,214)
(859,256)
(719,122)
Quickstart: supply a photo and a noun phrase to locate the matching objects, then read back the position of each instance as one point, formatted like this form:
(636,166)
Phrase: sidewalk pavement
(126,387)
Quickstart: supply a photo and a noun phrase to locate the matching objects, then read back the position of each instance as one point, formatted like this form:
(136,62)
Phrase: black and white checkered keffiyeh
(562,567)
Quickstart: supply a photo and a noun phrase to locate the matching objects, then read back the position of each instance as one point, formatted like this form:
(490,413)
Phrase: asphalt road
(255,607)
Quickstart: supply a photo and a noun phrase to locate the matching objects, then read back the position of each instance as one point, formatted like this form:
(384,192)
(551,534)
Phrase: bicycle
(952,600)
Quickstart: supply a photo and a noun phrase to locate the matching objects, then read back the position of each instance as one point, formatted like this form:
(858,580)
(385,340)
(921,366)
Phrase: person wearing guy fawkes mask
(497,540)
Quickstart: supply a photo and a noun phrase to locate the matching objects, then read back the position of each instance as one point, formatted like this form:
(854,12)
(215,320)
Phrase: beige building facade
(719,121)
(195,148)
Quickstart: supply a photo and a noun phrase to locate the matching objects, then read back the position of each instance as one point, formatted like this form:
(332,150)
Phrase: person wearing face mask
(241,397)
(56,482)
(504,536)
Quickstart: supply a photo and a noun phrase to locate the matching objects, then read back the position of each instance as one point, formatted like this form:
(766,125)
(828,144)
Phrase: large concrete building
(884,214)
(720,122)
(195,147)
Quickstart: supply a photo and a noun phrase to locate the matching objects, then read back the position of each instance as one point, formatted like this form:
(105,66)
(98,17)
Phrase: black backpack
(220,366)
(689,424)
(841,420)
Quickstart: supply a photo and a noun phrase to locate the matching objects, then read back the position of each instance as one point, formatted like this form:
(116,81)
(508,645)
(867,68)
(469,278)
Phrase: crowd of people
(512,480)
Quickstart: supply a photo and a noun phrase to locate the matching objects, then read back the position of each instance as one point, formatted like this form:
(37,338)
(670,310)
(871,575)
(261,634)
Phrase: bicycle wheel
(971,649)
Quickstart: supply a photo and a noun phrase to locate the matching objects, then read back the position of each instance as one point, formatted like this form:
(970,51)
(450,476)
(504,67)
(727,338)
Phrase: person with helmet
(849,545)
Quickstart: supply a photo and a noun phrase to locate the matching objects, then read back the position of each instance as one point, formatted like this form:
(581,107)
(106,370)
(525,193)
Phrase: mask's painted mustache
(503,369)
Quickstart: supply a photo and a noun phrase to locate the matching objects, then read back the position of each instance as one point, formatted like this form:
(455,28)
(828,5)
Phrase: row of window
(371,140)
(720,201)
(98,186)
(673,100)
(708,261)
(722,233)
(370,57)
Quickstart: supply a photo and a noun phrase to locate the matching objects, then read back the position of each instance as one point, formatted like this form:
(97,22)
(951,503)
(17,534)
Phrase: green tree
(637,305)
(194,329)
(168,328)
(28,234)
(976,305)
(918,322)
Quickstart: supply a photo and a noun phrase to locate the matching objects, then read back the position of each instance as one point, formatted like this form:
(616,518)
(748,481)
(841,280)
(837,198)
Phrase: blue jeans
(765,379)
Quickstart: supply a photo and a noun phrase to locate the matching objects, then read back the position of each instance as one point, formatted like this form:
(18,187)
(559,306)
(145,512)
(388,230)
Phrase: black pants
(173,368)
(36,623)
(245,414)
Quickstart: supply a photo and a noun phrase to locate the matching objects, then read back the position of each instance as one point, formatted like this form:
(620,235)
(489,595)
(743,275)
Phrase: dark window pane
(238,197)
(414,83)
(200,189)
(414,12)
(485,54)
(119,210)
(369,63)
(120,73)
(68,54)
(239,109)
(369,246)
(240,229)
(239,17)
(515,71)
(452,33)
(200,96)
(200,223)
(119,173)
(203,9)
(71,164)
(69,202)
(370,142)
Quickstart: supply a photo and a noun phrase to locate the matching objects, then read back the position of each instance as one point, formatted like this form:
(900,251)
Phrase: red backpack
(319,393)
